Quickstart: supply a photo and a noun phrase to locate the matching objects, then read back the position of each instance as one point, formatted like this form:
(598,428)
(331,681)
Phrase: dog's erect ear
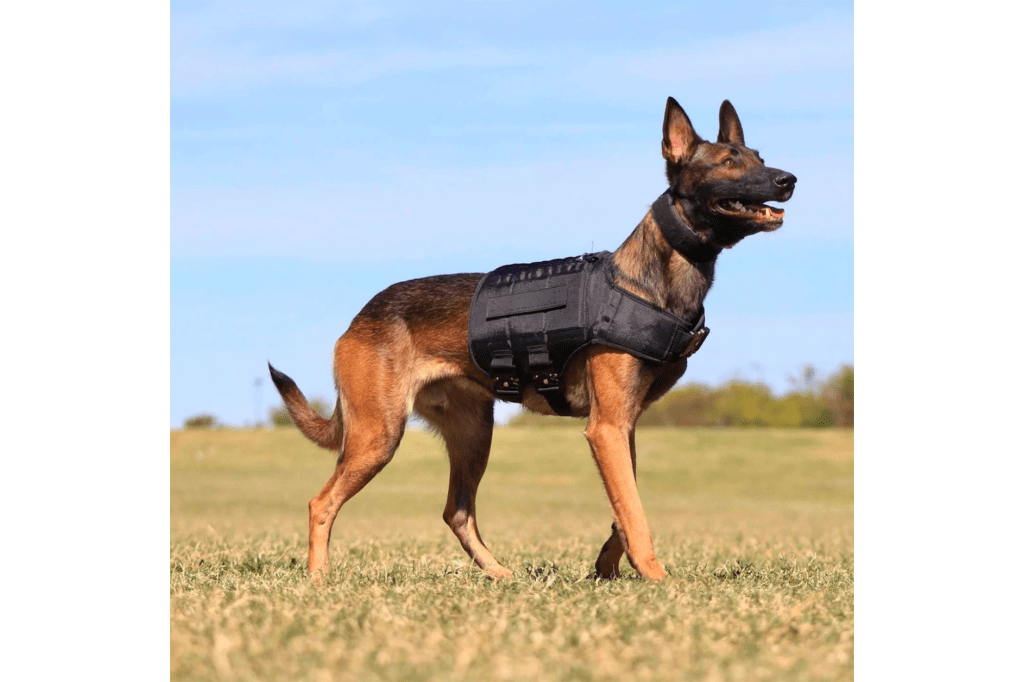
(729,128)
(678,139)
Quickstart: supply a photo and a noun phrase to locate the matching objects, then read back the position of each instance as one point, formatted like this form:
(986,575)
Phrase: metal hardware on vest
(507,386)
(679,235)
(548,385)
(503,369)
(697,342)
(546,382)
(527,321)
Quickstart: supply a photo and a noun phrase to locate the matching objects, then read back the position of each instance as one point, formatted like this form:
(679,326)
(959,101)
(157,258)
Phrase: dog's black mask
(721,186)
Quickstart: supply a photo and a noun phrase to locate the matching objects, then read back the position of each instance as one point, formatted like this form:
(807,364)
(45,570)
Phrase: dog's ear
(678,139)
(729,128)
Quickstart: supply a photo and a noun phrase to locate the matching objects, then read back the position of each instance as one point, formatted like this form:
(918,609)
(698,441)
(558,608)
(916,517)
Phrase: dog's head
(723,185)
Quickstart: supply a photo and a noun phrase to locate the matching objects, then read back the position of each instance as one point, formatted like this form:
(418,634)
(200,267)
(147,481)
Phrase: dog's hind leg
(374,397)
(465,421)
(365,454)
(607,565)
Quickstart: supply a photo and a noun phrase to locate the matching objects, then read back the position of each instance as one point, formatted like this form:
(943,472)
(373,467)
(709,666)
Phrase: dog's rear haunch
(408,349)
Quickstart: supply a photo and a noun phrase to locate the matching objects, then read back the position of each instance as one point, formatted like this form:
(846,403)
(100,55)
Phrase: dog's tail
(325,432)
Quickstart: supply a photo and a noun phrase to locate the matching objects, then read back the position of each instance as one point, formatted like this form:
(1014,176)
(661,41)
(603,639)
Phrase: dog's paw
(498,572)
(606,573)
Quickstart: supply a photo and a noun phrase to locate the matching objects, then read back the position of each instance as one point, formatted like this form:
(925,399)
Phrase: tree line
(811,402)
(276,417)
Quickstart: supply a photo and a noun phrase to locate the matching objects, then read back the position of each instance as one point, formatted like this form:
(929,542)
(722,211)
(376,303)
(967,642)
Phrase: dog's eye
(729,162)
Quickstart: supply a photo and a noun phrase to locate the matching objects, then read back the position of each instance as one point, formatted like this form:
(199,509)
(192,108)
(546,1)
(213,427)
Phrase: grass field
(755,527)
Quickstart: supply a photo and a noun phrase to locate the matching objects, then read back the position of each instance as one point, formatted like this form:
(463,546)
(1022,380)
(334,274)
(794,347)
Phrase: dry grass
(755,527)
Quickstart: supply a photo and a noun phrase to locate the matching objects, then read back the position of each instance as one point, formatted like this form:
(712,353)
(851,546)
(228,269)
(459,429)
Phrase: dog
(407,350)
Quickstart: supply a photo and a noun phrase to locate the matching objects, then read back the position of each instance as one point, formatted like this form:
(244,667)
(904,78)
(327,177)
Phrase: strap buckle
(546,382)
(507,386)
(538,364)
(696,342)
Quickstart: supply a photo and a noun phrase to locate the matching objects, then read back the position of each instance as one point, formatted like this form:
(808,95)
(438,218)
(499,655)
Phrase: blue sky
(320,152)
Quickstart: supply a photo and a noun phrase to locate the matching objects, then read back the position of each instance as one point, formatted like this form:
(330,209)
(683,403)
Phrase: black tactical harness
(528,320)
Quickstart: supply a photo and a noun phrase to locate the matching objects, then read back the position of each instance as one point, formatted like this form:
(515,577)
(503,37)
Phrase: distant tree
(806,397)
(837,394)
(741,403)
(788,411)
(279,415)
(201,421)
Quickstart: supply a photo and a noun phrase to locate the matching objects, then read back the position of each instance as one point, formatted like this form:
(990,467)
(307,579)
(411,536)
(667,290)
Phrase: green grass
(755,527)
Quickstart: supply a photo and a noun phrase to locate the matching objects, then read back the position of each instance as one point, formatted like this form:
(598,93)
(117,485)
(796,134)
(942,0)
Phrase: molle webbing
(528,320)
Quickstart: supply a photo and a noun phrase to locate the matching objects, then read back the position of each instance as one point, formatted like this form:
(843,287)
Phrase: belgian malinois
(408,350)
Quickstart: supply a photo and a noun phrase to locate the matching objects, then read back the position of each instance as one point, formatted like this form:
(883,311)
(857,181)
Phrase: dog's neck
(650,268)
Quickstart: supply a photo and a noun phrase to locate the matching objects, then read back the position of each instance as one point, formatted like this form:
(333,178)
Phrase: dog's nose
(785,180)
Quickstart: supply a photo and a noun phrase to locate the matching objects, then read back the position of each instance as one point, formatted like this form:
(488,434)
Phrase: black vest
(528,320)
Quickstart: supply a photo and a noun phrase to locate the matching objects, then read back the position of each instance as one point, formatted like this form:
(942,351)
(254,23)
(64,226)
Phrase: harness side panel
(530,316)
(634,325)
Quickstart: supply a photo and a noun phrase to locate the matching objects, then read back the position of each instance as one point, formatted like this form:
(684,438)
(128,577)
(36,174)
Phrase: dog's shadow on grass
(544,573)
(549,573)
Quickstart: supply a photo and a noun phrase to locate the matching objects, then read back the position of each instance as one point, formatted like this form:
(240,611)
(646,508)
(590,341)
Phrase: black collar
(679,235)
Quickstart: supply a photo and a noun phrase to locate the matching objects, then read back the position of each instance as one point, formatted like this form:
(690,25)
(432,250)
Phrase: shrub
(740,403)
(691,405)
(201,421)
(279,415)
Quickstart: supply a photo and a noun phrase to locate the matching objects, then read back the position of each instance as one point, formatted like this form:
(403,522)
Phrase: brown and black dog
(407,350)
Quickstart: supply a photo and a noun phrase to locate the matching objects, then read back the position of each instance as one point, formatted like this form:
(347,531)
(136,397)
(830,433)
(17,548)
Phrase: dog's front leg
(615,404)
(607,565)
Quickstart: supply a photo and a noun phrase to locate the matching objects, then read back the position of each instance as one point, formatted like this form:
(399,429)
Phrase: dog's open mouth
(762,213)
